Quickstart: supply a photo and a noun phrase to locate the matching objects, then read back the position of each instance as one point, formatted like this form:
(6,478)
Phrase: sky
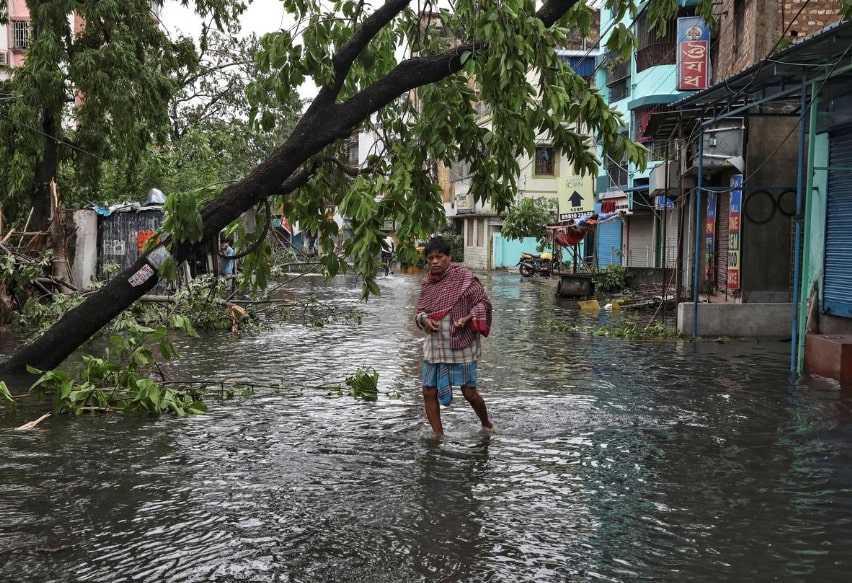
(262,16)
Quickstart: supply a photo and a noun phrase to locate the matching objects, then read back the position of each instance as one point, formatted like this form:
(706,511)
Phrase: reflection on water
(612,460)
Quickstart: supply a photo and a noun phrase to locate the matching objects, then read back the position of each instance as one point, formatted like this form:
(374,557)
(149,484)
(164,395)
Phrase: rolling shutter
(609,243)
(640,241)
(837,295)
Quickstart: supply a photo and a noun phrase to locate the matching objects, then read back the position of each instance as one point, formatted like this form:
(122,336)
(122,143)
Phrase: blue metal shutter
(583,66)
(609,243)
(837,295)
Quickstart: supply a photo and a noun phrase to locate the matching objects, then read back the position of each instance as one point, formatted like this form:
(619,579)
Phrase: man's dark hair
(437,244)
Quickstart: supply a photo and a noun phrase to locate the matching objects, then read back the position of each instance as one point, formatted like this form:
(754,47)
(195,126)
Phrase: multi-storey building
(547,174)
(766,143)
(693,153)
(638,87)
(14,37)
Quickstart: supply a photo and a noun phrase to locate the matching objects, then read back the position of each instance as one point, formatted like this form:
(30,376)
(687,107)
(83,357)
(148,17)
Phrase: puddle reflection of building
(449,531)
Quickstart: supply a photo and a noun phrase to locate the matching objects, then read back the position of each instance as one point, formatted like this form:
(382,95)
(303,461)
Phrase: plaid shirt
(436,347)
(460,293)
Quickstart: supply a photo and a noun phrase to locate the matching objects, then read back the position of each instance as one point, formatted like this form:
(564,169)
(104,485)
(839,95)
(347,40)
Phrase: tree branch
(286,168)
(349,51)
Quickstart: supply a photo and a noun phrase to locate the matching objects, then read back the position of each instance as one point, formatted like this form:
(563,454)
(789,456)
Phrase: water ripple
(611,461)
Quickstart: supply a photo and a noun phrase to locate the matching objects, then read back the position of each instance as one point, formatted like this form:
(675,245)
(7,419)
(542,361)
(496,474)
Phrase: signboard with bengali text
(463,203)
(734,229)
(710,238)
(693,54)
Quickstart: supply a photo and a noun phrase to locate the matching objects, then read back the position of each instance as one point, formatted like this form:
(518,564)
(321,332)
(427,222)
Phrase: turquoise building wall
(816,217)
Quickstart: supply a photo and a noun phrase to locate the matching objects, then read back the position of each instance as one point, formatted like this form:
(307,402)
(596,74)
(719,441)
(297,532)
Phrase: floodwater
(612,460)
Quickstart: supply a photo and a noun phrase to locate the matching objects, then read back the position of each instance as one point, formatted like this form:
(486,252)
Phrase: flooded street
(612,460)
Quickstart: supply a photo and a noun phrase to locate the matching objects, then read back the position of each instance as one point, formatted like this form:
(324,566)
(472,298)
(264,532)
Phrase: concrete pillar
(85,264)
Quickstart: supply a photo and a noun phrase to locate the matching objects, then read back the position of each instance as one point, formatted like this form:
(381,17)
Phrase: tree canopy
(528,218)
(415,70)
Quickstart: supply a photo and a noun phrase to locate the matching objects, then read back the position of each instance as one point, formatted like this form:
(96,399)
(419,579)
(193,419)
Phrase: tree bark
(61,266)
(44,174)
(323,122)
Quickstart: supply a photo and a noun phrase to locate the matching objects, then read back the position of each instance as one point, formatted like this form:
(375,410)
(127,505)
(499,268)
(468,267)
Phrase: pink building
(15,37)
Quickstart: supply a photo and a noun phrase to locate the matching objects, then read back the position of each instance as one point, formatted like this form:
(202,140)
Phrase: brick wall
(816,15)
(749,30)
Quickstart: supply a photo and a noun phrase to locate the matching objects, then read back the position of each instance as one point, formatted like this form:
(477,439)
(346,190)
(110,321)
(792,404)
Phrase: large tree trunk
(81,323)
(45,173)
(324,122)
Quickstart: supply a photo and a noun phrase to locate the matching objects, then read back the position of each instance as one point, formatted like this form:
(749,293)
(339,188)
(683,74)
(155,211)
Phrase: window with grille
(20,34)
(617,172)
(739,24)
(544,161)
(618,79)
(351,151)
(460,170)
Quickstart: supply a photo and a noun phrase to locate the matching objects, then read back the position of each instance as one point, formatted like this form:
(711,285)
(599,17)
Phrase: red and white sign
(693,54)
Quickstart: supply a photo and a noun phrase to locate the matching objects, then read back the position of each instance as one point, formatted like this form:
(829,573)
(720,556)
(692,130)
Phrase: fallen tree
(352,57)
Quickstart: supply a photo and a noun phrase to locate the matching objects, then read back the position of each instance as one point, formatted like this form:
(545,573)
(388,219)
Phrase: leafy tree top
(418,74)
(528,218)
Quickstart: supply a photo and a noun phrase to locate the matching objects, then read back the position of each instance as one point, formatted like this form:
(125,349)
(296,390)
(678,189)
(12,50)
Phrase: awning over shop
(772,86)
(570,233)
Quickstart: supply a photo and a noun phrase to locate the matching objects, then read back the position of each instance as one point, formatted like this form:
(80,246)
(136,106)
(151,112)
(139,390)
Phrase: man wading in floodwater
(454,311)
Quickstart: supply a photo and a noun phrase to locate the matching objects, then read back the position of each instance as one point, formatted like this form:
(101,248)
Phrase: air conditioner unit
(4,58)
(660,183)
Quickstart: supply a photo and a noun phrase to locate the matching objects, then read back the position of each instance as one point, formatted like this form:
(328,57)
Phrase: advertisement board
(693,54)
(576,197)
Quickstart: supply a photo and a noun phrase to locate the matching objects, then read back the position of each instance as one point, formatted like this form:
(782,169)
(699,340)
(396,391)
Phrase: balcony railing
(656,54)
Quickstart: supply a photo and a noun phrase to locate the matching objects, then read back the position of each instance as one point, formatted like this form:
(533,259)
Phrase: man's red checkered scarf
(459,292)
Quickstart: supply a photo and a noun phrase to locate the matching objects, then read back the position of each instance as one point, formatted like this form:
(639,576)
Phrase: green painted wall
(815,244)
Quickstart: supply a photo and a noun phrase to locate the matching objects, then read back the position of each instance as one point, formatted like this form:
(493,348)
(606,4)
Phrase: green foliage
(127,68)
(38,316)
(210,142)
(611,278)
(456,241)
(200,302)
(486,98)
(157,111)
(6,400)
(624,326)
(256,265)
(528,218)
(182,219)
(16,274)
(630,329)
(122,380)
(510,71)
(364,384)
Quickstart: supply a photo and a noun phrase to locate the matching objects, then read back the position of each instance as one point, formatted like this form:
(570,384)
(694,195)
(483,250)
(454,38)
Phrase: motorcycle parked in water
(544,263)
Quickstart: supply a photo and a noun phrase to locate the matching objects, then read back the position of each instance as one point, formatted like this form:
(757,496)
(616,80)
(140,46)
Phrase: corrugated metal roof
(775,83)
(810,60)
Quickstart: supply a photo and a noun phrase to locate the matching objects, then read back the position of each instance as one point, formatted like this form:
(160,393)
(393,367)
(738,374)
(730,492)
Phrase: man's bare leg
(476,401)
(433,409)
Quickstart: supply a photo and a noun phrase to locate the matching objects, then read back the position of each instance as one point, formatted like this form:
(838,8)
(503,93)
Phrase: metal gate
(669,225)
(837,295)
